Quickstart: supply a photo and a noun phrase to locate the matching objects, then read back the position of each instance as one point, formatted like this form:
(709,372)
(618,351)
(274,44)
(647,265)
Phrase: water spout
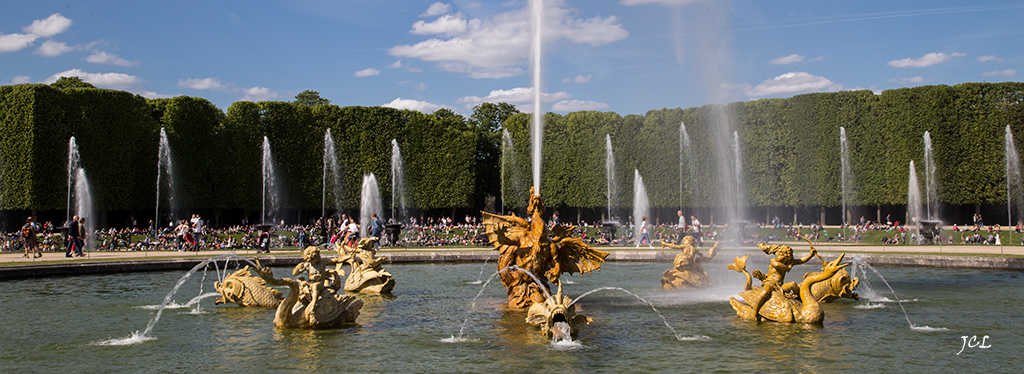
(331,163)
(369,203)
(398,197)
(609,171)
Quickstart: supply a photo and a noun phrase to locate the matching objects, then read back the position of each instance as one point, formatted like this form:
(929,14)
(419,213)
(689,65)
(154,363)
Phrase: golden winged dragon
(530,245)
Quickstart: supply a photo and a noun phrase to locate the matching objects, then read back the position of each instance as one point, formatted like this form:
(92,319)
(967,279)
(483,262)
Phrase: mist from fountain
(931,201)
(270,188)
(369,203)
(398,196)
(1013,180)
(686,148)
(331,163)
(164,175)
(609,172)
(846,173)
(914,208)
(74,160)
(83,204)
(641,204)
(510,172)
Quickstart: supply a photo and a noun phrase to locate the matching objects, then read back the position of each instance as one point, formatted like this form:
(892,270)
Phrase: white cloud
(448,25)
(578,105)
(437,9)
(420,87)
(989,58)
(521,97)
(52,25)
(1005,73)
(790,83)
(660,2)
(259,94)
(368,72)
(51,48)
(396,65)
(926,60)
(19,79)
(417,105)
(786,60)
(578,79)
(212,84)
(15,42)
(908,80)
(104,58)
(498,47)
(116,81)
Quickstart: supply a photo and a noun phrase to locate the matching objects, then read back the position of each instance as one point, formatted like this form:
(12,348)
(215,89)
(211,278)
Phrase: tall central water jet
(537,128)
(1013,179)
(397,181)
(269,185)
(164,174)
(609,171)
(330,163)
(931,184)
(369,202)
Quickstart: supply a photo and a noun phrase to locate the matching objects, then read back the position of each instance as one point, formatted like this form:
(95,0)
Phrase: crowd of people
(194,234)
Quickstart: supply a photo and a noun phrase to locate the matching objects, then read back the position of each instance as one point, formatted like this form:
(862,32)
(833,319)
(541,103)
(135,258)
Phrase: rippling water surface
(62,323)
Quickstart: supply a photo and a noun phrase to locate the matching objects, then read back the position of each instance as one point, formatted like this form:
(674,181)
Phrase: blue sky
(625,56)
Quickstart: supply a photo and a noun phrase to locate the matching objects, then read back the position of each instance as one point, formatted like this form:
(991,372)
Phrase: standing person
(28,232)
(352,237)
(695,229)
(264,242)
(83,237)
(680,227)
(197,228)
(72,240)
(377,229)
(643,234)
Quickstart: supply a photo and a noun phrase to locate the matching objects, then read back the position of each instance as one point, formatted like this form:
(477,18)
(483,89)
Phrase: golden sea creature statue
(245,289)
(838,286)
(366,276)
(778,301)
(321,305)
(546,253)
(686,271)
(556,317)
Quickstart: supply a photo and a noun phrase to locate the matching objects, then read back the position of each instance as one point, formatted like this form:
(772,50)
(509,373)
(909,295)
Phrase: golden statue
(245,289)
(321,305)
(366,275)
(531,246)
(556,317)
(778,301)
(687,272)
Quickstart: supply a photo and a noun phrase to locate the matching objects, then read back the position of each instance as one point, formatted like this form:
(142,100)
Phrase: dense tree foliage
(789,150)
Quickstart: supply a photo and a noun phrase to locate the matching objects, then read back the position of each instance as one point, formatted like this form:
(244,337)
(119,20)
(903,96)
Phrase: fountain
(685,146)
(398,198)
(510,171)
(1013,181)
(931,202)
(686,271)
(369,203)
(532,246)
(913,200)
(845,175)
(270,189)
(164,174)
(609,172)
(73,166)
(777,301)
(641,204)
(537,125)
(331,163)
(84,207)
